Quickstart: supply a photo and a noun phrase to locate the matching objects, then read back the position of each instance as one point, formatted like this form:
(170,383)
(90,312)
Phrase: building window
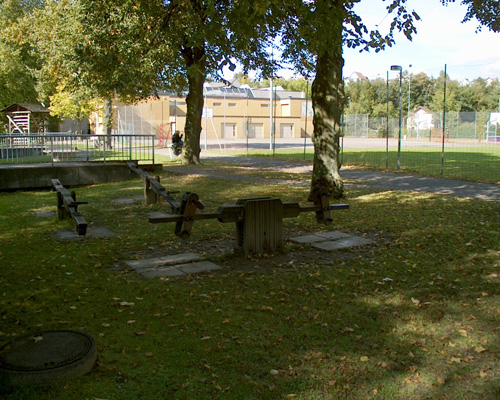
(265,105)
(217,104)
(231,105)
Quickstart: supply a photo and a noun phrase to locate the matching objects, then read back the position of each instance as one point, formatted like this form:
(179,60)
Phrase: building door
(286,130)
(229,131)
(255,131)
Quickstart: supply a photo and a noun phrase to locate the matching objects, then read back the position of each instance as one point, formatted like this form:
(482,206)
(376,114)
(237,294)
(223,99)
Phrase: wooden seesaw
(259,221)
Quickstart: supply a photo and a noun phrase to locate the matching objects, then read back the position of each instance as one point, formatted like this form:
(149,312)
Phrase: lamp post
(409,91)
(400,69)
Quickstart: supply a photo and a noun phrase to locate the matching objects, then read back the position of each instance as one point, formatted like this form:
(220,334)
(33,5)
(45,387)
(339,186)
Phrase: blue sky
(441,39)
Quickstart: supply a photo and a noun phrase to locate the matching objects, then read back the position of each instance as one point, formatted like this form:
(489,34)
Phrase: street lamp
(400,69)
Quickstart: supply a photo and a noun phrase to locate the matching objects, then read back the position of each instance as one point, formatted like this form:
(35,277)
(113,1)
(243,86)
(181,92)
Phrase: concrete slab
(179,270)
(307,239)
(333,235)
(330,245)
(151,263)
(344,243)
(197,267)
(94,232)
(319,237)
(162,272)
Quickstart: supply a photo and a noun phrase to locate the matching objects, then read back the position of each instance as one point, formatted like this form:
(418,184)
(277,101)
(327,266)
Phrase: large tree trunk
(196,71)
(328,101)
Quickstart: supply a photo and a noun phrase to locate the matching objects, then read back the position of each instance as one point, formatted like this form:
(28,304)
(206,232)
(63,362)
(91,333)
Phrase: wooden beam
(67,207)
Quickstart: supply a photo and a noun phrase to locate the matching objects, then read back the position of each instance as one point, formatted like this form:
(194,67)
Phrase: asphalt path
(367,177)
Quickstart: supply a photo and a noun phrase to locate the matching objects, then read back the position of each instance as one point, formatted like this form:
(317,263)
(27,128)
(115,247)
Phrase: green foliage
(16,62)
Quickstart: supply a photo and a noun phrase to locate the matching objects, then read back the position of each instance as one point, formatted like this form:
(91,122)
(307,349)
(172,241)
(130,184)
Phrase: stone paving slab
(319,237)
(351,241)
(152,263)
(179,270)
(333,235)
(332,240)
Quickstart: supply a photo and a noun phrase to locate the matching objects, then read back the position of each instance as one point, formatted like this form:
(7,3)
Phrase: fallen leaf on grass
(479,349)
(364,359)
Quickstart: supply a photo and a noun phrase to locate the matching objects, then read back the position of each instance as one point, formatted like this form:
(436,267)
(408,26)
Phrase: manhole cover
(46,357)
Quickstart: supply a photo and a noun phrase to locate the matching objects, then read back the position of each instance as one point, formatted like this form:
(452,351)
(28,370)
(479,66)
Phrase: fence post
(153,149)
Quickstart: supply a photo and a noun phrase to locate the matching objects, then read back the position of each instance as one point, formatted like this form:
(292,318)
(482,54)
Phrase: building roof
(33,108)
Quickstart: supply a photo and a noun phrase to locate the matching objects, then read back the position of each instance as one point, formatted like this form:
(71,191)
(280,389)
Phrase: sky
(441,39)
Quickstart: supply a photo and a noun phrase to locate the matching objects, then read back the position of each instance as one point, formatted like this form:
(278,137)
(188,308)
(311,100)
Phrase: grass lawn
(468,163)
(414,316)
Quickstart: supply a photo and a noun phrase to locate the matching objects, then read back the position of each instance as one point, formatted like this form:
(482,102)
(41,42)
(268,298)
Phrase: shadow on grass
(413,317)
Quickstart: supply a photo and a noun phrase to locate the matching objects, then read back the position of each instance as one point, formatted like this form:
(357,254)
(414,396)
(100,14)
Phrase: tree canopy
(136,48)
(17,84)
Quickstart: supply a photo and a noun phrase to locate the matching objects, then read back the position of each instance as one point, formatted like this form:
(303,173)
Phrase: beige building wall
(223,118)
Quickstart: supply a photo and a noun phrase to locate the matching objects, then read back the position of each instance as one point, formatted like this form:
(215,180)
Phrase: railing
(67,147)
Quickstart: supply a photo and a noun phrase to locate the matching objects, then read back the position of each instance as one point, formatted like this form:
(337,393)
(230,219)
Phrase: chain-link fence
(463,145)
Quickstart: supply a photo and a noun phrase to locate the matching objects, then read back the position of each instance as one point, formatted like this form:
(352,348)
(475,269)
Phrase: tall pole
(409,91)
(444,123)
(400,69)
(387,128)
(206,122)
(248,122)
(271,105)
(400,115)
(274,121)
(305,127)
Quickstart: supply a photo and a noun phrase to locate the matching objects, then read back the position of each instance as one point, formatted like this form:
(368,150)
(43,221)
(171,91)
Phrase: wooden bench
(67,207)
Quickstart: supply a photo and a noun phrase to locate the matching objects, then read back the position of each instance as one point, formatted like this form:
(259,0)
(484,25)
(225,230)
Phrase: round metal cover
(46,357)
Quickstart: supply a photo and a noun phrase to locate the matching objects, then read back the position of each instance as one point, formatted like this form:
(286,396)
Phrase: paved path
(375,179)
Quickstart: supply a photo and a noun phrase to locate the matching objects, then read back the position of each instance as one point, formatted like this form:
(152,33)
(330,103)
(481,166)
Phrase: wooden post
(261,229)
(149,194)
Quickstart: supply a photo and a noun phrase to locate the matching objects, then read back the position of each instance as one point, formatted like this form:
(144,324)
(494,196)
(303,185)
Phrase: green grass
(415,316)
(477,164)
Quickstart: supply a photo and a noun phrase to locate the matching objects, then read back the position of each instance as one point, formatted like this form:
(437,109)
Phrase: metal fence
(463,145)
(67,147)
(471,126)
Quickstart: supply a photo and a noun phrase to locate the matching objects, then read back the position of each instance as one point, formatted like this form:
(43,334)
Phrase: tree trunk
(328,101)
(108,122)
(196,72)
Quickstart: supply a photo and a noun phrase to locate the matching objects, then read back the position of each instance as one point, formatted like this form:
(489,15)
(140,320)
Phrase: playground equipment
(258,221)
(67,207)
